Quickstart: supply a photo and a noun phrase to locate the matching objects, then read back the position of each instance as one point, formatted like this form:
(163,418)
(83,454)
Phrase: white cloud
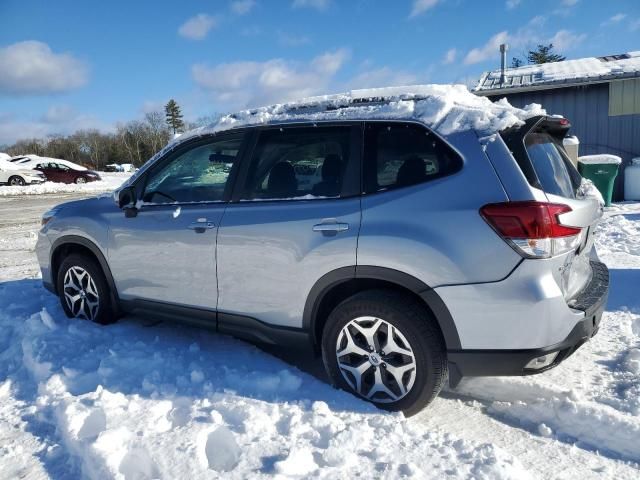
(524,38)
(31,67)
(635,25)
(242,7)
(488,50)
(511,4)
(292,40)
(197,28)
(450,56)
(565,40)
(568,3)
(618,18)
(421,6)
(241,84)
(614,19)
(317,4)
(58,119)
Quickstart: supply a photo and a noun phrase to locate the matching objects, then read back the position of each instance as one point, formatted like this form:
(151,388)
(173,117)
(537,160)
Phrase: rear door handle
(201,225)
(331,227)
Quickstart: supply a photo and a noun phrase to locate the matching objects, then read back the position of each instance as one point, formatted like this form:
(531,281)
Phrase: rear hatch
(537,147)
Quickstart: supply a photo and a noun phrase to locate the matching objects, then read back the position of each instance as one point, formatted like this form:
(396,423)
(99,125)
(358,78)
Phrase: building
(599,95)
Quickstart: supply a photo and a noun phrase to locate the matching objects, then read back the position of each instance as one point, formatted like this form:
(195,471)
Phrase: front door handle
(201,225)
(331,227)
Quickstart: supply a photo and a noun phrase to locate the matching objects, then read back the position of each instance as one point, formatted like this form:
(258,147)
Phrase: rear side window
(299,163)
(555,172)
(402,154)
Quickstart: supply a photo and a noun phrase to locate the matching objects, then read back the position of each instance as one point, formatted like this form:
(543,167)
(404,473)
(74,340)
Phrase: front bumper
(481,363)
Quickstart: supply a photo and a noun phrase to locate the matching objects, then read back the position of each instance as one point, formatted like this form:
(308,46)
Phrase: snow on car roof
(567,72)
(35,159)
(6,165)
(445,108)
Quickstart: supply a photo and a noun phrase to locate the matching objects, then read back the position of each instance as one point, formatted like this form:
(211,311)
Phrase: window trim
(351,183)
(418,124)
(141,182)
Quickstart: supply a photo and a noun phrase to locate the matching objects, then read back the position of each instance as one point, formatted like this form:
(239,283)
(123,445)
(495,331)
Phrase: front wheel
(386,348)
(81,180)
(83,290)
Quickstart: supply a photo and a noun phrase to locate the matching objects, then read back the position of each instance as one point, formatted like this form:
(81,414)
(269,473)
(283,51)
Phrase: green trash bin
(602,170)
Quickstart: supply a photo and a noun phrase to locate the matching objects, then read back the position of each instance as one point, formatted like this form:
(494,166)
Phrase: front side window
(198,175)
(403,154)
(298,163)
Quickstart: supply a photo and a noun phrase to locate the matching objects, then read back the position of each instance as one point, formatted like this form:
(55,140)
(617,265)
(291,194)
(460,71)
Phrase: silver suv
(407,247)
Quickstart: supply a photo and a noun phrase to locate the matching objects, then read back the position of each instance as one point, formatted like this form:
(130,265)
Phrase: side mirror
(127,201)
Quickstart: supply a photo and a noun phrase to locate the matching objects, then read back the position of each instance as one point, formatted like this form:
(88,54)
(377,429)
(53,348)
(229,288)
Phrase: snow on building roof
(561,74)
(444,108)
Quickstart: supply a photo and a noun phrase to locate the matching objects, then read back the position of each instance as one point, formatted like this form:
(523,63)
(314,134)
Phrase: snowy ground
(142,399)
(109,182)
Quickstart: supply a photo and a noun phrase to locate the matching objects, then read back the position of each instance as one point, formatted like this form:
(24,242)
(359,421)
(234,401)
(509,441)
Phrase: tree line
(133,142)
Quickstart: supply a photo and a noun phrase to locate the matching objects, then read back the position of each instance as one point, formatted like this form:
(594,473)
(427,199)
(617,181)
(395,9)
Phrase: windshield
(554,170)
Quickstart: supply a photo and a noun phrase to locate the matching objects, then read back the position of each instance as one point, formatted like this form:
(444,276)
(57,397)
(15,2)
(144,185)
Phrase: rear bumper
(479,363)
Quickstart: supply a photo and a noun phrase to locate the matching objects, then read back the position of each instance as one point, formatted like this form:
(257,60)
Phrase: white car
(15,175)
(31,161)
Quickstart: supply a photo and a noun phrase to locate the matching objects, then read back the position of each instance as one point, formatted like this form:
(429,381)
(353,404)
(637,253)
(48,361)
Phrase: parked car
(444,237)
(60,173)
(14,175)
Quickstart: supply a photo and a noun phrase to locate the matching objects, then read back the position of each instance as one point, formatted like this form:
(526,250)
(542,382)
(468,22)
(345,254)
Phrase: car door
(166,252)
(295,217)
(49,171)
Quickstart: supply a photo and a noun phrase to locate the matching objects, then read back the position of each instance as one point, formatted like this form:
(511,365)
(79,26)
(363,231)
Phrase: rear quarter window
(403,154)
(555,172)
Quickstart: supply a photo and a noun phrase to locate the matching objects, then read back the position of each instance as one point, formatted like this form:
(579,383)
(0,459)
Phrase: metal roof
(567,73)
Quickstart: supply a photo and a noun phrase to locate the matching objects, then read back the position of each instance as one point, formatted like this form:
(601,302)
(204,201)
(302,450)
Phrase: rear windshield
(554,170)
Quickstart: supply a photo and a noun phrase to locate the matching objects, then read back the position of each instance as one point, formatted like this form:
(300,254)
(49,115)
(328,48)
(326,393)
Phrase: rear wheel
(81,180)
(83,289)
(16,181)
(386,348)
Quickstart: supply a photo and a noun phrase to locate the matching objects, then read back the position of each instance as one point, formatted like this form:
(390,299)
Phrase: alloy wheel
(81,180)
(16,181)
(376,359)
(81,294)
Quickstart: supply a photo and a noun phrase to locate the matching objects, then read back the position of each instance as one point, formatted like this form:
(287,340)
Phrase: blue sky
(70,64)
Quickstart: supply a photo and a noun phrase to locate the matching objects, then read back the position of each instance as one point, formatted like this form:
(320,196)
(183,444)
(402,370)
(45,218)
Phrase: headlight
(48,215)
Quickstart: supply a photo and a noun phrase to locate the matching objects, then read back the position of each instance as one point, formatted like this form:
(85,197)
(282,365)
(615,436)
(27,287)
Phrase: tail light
(533,229)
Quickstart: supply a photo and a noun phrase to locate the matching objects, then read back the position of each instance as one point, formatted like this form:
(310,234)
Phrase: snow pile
(602,158)
(135,401)
(578,69)
(109,182)
(445,108)
(588,189)
(618,240)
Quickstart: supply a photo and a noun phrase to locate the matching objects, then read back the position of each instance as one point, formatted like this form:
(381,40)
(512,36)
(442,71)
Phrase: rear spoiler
(514,138)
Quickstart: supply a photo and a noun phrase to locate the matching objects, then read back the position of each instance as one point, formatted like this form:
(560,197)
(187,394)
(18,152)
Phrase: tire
(16,181)
(86,281)
(414,332)
(80,180)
